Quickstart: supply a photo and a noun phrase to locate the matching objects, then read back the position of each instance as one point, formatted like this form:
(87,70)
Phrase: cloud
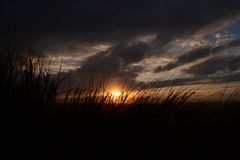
(113,35)
(114,61)
(231,44)
(117,63)
(224,38)
(200,81)
(114,21)
(189,57)
(215,64)
(197,54)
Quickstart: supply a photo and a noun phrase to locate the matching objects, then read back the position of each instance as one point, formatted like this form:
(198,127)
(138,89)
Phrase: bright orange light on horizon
(116,93)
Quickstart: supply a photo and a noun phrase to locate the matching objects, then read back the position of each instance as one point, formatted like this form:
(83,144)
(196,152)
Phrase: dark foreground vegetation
(30,97)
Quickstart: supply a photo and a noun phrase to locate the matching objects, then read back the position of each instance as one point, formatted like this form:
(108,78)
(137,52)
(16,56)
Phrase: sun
(116,93)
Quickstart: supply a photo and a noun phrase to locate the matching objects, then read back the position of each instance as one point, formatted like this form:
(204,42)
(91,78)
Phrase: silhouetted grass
(30,95)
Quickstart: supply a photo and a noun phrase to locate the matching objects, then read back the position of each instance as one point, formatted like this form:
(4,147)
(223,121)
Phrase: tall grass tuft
(28,91)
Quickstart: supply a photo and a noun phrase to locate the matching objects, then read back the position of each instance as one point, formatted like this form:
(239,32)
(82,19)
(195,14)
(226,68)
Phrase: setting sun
(116,93)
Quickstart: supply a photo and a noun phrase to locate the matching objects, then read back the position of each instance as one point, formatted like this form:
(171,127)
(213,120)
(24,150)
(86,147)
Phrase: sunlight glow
(116,93)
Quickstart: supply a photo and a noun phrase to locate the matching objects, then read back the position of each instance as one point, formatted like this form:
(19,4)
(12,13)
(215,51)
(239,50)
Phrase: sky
(168,41)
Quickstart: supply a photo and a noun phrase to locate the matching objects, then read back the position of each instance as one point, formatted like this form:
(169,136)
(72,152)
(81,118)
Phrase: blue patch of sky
(233,28)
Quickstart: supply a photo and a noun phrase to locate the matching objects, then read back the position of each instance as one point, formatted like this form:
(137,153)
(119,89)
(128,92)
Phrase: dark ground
(202,133)
(121,143)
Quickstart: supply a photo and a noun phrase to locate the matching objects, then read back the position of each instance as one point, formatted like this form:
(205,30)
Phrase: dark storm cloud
(109,20)
(72,48)
(218,63)
(114,62)
(221,64)
(56,24)
(189,57)
(214,65)
(169,19)
(133,53)
(199,53)
(192,81)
